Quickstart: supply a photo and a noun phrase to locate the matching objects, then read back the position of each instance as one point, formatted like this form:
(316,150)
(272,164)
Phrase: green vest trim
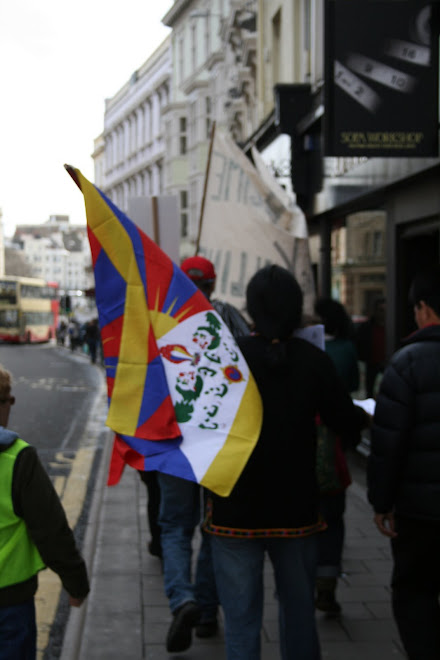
(19,557)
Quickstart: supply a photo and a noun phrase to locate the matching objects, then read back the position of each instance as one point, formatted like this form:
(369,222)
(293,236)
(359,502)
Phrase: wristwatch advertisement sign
(381,78)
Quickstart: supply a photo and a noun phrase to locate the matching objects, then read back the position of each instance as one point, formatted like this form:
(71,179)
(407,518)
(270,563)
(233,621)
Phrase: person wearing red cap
(202,272)
(192,605)
(199,269)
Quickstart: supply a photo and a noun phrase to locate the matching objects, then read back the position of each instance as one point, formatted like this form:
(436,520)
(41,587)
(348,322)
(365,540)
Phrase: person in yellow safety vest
(34,533)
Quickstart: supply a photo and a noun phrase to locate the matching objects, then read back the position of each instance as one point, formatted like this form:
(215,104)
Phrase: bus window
(30,291)
(8,318)
(8,292)
(38,318)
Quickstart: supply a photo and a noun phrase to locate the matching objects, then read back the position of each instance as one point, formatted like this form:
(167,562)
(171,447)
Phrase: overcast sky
(59,60)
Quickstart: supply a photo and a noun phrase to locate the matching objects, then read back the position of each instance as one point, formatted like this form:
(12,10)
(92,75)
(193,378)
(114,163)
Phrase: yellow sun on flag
(163,321)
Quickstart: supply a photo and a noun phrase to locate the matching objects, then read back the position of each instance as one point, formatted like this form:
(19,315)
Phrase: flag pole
(205,187)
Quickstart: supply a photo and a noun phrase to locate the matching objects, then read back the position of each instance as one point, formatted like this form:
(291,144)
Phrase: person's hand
(75,602)
(385,524)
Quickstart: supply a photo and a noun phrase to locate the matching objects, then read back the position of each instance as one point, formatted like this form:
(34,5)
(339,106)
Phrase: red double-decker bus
(29,309)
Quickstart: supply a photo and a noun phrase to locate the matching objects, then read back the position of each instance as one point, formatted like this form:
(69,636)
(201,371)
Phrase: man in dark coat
(404,472)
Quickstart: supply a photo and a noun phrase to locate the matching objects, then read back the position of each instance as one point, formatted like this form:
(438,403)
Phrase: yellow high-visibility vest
(19,557)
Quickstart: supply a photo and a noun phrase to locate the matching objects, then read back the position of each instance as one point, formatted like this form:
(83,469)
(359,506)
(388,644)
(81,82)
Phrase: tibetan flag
(181,397)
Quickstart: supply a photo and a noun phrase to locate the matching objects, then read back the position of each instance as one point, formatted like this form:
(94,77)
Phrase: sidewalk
(127,615)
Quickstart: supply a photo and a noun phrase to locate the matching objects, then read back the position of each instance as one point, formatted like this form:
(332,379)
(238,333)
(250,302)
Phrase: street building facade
(213,80)
(129,154)
(258,68)
(373,221)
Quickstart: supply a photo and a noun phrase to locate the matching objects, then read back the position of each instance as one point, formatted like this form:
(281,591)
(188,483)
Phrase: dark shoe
(325,598)
(207,629)
(180,632)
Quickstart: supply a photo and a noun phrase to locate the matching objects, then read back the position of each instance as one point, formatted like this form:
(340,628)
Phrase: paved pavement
(126,615)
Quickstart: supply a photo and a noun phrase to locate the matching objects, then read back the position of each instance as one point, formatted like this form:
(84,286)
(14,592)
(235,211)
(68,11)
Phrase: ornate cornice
(174,13)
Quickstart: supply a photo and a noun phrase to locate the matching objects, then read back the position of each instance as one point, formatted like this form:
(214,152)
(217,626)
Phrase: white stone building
(129,155)
(57,252)
(157,126)
(213,79)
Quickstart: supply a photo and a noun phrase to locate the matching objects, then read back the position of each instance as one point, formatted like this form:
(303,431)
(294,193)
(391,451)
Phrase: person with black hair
(274,506)
(404,471)
(339,340)
(92,338)
(333,473)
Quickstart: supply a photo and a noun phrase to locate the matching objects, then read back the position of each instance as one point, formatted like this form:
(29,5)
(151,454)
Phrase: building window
(192,122)
(377,244)
(168,137)
(160,178)
(183,213)
(307,24)
(207,37)
(366,249)
(147,123)
(193,46)
(276,46)
(181,59)
(307,38)
(140,126)
(208,111)
(194,207)
(133,132)
(182,136)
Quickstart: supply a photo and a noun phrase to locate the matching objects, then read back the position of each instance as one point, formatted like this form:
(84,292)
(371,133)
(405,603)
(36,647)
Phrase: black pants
(331,542)
(416,586)
(153,503)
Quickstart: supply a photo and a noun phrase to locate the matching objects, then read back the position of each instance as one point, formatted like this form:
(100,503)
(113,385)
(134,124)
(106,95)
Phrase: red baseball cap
(198,269)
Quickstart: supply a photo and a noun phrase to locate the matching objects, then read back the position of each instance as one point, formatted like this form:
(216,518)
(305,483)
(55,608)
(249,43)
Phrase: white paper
(242,227)
(369,405)
(313,333)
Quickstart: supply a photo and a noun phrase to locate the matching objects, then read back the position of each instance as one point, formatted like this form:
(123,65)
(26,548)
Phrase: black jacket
(278,486)
(36,501)
(404,465)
